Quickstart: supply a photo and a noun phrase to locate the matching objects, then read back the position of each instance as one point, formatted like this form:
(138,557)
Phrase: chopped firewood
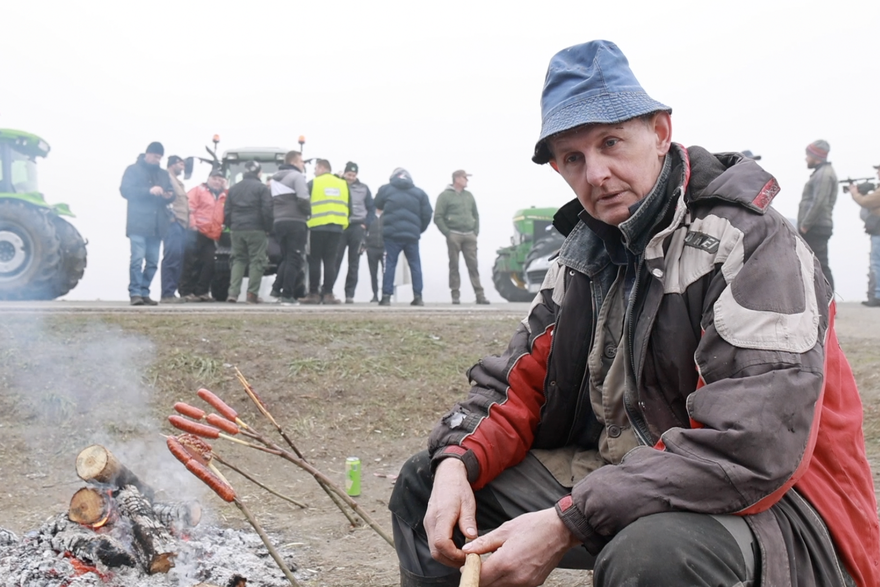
(96,464)
(154,546)
(90,507)
(88,546)
(180,514)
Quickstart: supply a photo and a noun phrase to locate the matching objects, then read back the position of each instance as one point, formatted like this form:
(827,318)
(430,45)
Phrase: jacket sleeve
(267,208)
(133,187)
(476,214)
(380,199)
(871,200)
(227,210)
(303,196)
(823,186)
(426,211)
(371,207)
(754,414)
(440,215)
(494,428)
(197,214)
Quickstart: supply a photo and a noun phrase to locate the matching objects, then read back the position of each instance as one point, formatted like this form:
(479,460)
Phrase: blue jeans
(144,262)
(392,252)
(172,260)
(875,264)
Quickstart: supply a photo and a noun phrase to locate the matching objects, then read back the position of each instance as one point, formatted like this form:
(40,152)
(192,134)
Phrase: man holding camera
(817,204)
(870,215)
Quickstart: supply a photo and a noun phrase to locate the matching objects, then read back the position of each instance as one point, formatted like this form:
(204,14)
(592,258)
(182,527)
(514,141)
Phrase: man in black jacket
(248,215)
(292,207)
(148,190)
(406,214)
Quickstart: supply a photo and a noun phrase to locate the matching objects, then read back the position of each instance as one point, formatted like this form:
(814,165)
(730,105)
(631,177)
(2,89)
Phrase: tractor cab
(269,158)
(42,256)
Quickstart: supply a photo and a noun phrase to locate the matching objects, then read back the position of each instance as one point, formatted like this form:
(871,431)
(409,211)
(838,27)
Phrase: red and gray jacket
(735,383)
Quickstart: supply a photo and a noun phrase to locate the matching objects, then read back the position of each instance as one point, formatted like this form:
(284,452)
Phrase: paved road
(100,307)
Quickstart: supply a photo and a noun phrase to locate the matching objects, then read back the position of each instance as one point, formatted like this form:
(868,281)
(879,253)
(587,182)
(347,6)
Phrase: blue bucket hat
(589,84)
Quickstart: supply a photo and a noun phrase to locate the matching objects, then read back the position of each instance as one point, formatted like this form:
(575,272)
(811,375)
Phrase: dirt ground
(355,383)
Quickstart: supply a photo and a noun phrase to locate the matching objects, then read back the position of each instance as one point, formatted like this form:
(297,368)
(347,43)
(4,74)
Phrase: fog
(428,86)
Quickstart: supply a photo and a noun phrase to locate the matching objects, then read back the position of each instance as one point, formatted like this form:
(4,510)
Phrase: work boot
(232,300)
(137,301)
(148,302)
(482,300)
(288,302)
(171,300)
(375,299)
(456,297)
(205,297)
(329,298)
(190,298)
(872,303)
(386,300)
(312,298)
(253,299)
(417,301)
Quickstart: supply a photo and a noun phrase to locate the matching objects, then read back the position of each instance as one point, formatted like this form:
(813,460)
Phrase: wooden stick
(278,560)
(470,572)
(252,480)
(248,388)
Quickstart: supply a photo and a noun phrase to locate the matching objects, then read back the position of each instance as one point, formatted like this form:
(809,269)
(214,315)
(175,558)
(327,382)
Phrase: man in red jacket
(206,202)
(675,409)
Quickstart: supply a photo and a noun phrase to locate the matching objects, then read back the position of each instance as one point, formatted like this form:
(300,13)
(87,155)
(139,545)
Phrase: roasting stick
(470,572)
(249,390)
(252,480)
(278,560)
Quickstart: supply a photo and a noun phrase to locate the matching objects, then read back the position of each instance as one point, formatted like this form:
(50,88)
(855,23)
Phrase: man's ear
(554,166)
(662,126)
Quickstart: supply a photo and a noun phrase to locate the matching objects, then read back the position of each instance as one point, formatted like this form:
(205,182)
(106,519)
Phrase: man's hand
(452,502)
(157,191)
(525,549)
(804,230)
(853,189)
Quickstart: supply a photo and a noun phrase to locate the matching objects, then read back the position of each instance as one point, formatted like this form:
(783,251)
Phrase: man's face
(350,176)
(610,167)
(298,163)
(812,162)
(460,181)
(152,158)
(177,168)
(216,183)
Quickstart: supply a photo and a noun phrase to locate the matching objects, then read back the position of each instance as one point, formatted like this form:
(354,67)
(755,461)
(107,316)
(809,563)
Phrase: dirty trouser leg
(239,261)
(453,247)
(257,243)
(525,488)
(469,251)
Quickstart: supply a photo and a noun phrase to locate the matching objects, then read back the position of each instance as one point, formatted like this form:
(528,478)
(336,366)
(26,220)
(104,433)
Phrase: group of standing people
(316,224)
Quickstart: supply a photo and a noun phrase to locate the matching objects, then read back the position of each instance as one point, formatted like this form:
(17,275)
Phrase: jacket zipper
(632,411)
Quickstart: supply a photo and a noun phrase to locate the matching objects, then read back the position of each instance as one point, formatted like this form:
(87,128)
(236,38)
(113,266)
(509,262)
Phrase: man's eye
(573,158)
(610,142)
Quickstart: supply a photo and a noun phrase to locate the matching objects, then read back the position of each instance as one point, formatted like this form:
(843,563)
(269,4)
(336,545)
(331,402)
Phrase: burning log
(96,464)
(178,515)
(154,546)
(90,507)
(88,546)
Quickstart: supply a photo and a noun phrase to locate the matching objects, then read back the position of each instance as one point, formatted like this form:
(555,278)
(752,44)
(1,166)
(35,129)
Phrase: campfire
(117,532)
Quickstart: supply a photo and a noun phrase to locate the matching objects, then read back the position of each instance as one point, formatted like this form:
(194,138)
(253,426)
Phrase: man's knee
(672,549)
(412,490)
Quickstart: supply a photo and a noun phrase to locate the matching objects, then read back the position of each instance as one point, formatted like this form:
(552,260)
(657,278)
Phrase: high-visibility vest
(329,201)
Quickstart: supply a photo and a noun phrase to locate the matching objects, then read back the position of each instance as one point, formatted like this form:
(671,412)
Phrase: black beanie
(156,148)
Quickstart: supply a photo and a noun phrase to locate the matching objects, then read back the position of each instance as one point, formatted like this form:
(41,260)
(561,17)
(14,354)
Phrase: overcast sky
(429,86)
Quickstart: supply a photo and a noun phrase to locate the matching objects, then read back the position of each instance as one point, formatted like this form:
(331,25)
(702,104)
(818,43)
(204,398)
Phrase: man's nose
(596,171)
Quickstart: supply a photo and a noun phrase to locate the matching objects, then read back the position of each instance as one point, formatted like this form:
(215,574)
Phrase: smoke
(72,381)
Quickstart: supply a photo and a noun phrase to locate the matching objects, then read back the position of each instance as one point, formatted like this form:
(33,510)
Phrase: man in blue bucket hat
(675,409)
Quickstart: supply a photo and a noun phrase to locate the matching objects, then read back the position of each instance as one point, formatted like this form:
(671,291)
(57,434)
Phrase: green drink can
(353,476)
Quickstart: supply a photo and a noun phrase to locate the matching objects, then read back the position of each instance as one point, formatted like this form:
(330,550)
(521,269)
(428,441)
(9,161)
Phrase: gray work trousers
(680,548)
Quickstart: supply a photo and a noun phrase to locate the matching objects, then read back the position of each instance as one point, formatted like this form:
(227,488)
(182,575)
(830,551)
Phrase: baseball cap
(460,173)
(172,159)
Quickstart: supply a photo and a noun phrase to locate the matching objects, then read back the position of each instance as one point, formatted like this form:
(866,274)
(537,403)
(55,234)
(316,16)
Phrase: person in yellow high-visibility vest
(330,211)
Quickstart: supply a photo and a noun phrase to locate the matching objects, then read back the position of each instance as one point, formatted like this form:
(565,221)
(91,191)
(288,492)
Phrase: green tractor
(42,256)
(520,268)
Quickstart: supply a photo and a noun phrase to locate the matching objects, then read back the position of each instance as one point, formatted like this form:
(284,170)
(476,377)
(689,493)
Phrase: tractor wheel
(30,252)
(510,284)
(73,251)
